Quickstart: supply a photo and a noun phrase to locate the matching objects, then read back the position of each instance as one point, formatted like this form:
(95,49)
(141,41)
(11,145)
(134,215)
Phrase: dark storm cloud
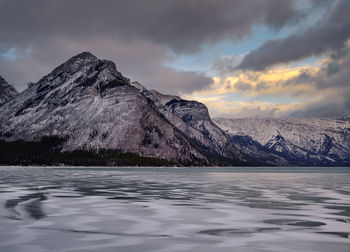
(141,61)
(330,34)
(183,25)
(135,34)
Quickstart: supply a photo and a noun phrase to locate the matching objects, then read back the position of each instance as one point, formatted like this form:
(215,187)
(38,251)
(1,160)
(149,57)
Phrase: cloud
(135,34)
(227,64)
(307,91)
(331,84)
(275,82)
(334,106)
(222,106)
(322,91)
(142,36)
(333,73)
(137,60)
(181,25)
(329,34)
(243,86)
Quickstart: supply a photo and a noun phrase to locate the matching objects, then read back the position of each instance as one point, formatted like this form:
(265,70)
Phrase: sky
(242,58)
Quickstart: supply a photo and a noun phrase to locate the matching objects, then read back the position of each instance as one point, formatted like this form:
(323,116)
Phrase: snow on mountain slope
(192,118)
(302,140)
(88,102)
(7,92)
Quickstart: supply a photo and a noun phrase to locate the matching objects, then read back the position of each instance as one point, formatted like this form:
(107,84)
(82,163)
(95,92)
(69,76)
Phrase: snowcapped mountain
(299,141)
(91,105)
(7,92)
(192,118)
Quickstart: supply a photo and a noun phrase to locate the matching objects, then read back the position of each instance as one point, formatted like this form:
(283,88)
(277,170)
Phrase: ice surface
(45,209)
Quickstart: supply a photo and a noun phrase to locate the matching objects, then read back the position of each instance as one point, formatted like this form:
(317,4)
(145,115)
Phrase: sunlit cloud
(277,92)
(247,59)
(221,106)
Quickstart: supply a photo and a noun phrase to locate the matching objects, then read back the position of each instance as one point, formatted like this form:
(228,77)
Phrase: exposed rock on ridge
(89,103)
(7,92)
(299,141)
(192,118)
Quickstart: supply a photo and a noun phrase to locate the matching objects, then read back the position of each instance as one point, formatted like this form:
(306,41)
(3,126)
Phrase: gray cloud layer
(136,34)
(137,60)
(328,35)
(333,79)
(183,25)
(334,106)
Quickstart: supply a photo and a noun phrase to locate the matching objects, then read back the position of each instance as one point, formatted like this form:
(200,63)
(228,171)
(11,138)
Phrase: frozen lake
(174,209)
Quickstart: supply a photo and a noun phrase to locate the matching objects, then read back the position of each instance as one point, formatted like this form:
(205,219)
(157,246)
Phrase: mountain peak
(3,82)
(83,68)
(85,55)
(81,57)
(75,63)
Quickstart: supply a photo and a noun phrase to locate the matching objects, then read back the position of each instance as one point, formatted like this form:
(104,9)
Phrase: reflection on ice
(31,202)
(234,232)
(301,223)
(45,209)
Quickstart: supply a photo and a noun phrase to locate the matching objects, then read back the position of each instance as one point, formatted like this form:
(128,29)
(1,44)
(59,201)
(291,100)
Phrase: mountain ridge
(85,106)
(94,107)
(301,141)
(192,118)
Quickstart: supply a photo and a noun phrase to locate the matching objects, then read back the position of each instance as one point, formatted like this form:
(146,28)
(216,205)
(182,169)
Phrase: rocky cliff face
(299,141)
(7,92)
(89,103)
(192,119)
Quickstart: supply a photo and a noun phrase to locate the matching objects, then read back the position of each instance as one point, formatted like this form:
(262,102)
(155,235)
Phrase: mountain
(7,92)
(345,119)
(192,118)
(85,112)
(92,107)
(298,141)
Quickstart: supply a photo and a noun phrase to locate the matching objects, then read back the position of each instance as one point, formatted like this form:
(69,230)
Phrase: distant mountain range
(307,142)
(85,112)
